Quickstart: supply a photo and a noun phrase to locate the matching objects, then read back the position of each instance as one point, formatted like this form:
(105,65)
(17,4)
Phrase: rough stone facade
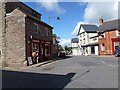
(18,23)
(10,6)
(15,38)
(37,34)
(2,33)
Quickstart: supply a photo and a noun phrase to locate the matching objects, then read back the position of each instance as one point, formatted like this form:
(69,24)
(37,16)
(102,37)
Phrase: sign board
(30,61)
(37,41)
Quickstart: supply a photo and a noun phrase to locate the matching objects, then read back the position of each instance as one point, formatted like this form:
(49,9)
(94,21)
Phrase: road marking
(107,64)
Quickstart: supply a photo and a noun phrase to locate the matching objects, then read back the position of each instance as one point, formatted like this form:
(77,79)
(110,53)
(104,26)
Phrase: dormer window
(102,34)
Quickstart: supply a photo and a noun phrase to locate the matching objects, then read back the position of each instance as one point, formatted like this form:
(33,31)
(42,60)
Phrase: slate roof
(109,25)
(89,28)
(74,40)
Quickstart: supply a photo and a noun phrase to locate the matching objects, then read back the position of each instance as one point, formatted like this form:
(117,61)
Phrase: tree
(56,38)
(60,48)
(67,49)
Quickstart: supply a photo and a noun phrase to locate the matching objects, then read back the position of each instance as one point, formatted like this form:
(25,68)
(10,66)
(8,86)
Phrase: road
(71,72)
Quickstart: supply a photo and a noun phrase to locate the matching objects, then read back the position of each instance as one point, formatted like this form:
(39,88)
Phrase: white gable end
(82,30)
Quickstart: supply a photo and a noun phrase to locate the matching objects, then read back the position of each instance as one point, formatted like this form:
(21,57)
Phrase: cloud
(95,10)
(52,5)
(75,31)
(65,42)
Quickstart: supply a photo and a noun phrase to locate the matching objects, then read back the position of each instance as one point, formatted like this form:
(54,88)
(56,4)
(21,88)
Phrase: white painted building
(88,39)
(74,43)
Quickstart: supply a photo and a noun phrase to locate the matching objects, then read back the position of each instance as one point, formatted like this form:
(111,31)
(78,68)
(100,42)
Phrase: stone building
(23,34)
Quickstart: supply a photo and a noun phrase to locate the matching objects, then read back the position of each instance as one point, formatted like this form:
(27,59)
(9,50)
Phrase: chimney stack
(101,20)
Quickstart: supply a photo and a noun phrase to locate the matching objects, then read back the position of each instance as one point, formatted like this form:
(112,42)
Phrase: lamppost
(58,18)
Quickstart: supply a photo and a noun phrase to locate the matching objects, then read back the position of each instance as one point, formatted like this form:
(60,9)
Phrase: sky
(72,14)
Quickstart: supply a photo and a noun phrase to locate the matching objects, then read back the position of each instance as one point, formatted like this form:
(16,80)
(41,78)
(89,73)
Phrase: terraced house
(23,34)
(109,36)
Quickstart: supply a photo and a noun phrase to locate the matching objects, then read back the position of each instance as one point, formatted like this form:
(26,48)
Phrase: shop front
(40,50)
(115,44)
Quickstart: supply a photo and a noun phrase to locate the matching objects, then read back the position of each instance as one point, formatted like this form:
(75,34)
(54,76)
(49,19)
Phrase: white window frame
(102,47)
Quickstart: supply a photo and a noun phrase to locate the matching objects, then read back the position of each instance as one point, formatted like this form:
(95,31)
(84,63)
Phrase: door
(42,52)
(92,50)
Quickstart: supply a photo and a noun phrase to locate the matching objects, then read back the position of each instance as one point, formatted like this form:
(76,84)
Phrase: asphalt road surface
(70,72)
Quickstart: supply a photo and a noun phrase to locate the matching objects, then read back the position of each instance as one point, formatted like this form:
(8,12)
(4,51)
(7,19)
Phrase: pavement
(71,72)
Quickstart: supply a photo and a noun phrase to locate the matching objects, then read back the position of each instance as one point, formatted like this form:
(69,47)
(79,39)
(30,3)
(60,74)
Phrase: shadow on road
(15,79)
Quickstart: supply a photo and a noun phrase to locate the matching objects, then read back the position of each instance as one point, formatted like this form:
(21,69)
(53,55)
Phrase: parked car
(117,52)
(62,54)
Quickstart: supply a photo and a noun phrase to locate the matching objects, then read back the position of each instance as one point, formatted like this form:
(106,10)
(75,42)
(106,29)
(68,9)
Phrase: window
(102,34)
(119,33)
(80,35)
(83,34)
(102,47)
(95,38)
(84,41)
(46,32)
(36,27)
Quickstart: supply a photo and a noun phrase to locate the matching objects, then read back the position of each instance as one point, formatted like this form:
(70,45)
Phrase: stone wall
(0,31)
(15,38)
(10,6)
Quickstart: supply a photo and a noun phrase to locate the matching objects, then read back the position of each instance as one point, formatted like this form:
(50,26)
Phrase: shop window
(47,49)
(35,47)
(102,47)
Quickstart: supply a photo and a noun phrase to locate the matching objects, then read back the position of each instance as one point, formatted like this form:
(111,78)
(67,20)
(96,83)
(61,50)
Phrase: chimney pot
(101,20)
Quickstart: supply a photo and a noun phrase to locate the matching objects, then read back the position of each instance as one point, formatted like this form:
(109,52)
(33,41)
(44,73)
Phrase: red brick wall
(107,42)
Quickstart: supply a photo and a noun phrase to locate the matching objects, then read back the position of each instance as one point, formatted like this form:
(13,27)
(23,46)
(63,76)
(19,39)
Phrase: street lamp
(58,18)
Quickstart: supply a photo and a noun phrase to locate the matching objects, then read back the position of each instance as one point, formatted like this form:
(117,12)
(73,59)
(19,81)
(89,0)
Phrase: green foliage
(60,48)
(67,49)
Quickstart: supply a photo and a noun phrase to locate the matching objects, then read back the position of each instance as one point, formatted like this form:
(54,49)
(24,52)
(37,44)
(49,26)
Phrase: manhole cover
(48,68)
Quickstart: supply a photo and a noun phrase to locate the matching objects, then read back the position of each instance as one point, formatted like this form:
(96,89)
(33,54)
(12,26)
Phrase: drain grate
(48,68)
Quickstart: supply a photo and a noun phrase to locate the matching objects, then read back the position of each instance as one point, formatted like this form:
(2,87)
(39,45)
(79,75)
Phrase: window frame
(36,27)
